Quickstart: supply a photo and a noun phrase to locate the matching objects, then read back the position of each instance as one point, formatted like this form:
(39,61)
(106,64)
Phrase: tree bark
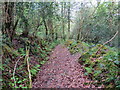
(50,26)
(68,20)
(45,27)
(9,20)
(24,20)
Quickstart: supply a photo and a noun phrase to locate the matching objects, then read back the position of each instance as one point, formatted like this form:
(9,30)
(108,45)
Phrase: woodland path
(61,71)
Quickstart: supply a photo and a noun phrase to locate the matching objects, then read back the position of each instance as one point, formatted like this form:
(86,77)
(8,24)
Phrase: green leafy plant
(76,46)
(103,66)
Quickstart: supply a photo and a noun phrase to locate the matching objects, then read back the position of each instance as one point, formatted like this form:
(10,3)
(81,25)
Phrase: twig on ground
(15,70)
(28,66)
(107,42)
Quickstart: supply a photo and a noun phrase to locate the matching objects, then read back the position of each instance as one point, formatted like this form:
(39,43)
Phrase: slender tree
(68,20)
(63,21)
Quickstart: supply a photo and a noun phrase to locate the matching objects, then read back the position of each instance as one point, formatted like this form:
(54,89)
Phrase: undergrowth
(101,67)
(15,73)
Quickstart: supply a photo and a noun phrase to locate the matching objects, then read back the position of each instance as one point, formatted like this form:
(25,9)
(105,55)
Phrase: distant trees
(97,24)
(22,9)
(68,20)
(41,19)
(52,20)
(63,21)
(38,26)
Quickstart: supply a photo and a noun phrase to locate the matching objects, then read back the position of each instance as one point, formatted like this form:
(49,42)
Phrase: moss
(98,45)
(94,56)
(68,42)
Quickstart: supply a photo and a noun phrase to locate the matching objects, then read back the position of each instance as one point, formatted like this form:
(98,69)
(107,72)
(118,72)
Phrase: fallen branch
(107,42)
(28,67)
(15,70)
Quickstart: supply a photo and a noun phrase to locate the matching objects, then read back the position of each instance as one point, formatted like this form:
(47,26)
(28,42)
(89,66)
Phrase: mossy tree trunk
(9,19)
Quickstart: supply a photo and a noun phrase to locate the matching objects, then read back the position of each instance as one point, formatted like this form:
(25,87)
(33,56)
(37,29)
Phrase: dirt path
(61,71)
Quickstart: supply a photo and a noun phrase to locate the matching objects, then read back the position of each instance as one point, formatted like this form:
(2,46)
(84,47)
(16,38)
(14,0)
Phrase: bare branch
(15,70)
(107,42)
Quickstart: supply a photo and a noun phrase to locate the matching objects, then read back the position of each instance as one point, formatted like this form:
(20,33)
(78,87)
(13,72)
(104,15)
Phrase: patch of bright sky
(93,1)
(77,6)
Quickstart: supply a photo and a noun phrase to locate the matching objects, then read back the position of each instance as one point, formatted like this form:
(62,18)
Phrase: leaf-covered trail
(61,71)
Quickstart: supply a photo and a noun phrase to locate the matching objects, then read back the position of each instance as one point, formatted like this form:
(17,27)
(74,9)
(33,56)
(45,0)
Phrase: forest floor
(62,71)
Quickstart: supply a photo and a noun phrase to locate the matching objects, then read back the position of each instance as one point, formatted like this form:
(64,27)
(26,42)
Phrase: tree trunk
(9,20)
(50,26)
(63,23)
(45,27)
(24,20)
(68,20)
(26,31)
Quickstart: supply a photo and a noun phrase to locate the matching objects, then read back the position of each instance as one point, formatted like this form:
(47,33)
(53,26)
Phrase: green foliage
(98,24)
(76,46)
(103,66)
(47,27)
(19,82)
(40,50)
(22,51)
